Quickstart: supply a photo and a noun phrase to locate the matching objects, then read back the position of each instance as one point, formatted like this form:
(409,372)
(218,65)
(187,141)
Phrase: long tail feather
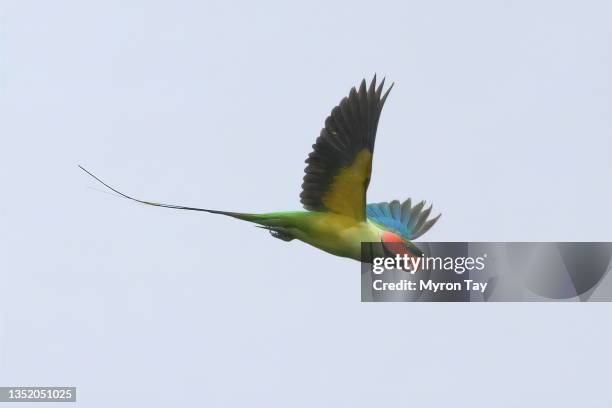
(241,216)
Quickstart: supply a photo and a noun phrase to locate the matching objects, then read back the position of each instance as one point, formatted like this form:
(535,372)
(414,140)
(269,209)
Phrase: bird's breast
(340,235)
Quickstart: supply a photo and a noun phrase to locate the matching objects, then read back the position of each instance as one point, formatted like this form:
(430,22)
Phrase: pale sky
(501,116)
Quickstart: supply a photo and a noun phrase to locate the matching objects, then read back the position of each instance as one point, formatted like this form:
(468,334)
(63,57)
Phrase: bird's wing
(338,169)
(403,219)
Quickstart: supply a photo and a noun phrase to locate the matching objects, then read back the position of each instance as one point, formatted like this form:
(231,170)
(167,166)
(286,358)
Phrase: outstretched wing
(403,219)
(339,167)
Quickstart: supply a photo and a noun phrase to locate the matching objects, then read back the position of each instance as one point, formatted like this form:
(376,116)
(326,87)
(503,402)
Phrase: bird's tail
(281,225)
(257,218)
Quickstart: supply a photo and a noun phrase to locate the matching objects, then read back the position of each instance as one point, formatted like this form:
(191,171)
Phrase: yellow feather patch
(346,194)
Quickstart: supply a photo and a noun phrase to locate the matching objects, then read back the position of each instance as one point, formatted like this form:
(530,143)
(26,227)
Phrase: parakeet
(337,219)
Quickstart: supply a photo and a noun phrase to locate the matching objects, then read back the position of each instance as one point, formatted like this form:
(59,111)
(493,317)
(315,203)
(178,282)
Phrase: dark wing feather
(338,169)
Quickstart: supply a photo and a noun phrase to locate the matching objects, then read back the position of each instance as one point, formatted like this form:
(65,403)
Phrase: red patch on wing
(391,237)
(394,243)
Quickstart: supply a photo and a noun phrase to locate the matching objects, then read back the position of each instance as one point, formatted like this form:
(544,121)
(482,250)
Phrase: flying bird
(337,219)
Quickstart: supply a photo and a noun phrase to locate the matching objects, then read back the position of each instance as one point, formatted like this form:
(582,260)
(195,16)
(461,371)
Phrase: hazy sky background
(501,116)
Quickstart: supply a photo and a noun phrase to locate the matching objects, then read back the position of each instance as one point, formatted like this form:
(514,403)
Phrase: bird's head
(396,244)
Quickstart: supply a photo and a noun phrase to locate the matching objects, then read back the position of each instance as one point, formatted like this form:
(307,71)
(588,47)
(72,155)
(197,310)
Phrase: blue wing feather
(405,220)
